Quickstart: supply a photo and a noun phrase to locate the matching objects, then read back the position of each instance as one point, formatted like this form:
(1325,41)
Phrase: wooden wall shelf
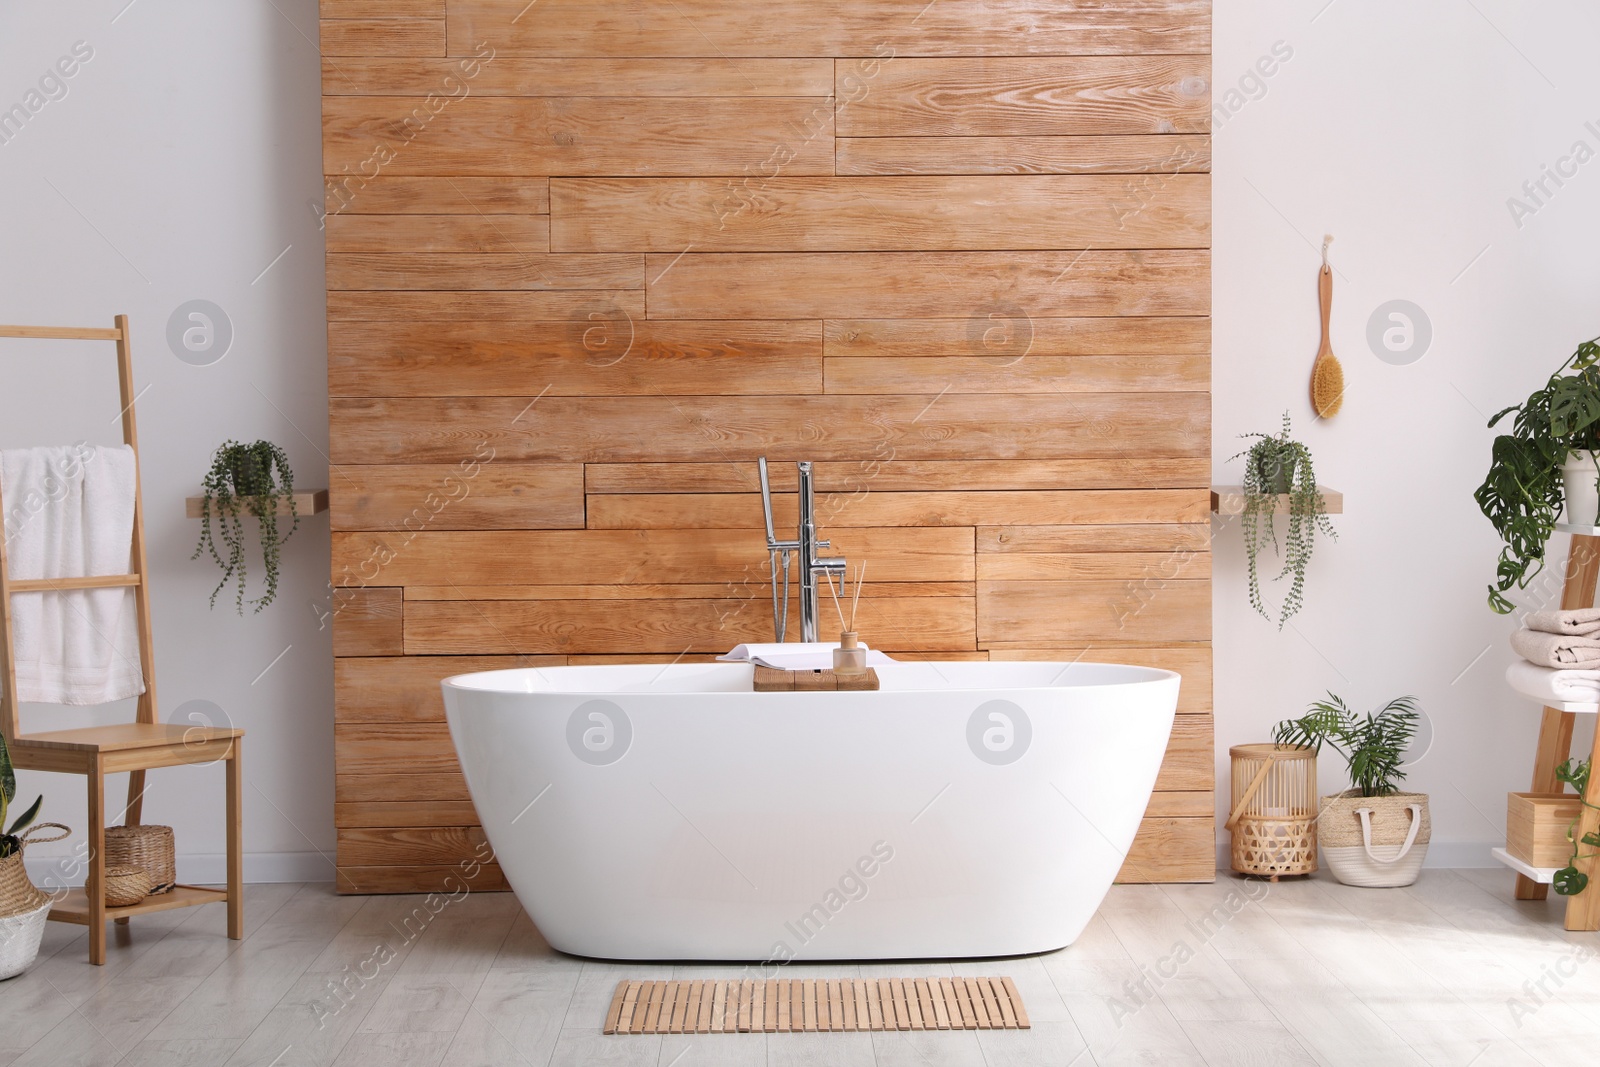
(308,503)
(1229,500)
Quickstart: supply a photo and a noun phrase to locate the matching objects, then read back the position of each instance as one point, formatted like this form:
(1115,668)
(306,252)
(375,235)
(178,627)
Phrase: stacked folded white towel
(1560,653)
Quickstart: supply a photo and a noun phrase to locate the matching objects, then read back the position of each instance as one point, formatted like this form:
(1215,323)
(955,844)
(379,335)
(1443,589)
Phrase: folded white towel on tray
(69,514)
(795,655)
(1580,622)
(1548,685)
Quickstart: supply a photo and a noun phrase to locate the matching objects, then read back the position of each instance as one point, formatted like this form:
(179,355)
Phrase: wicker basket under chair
(23,906)
(1274,814)
(148,847)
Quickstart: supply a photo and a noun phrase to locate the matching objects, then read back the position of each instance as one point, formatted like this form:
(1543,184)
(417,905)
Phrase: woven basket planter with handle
(23,907)
(149,847)
(1374,841)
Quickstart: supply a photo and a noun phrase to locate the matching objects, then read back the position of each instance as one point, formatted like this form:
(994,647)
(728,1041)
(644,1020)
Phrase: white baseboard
(1440,854)
(202,869)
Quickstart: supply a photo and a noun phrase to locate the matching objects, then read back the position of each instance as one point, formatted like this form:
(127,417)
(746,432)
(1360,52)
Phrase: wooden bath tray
(772,680)
(808,1005)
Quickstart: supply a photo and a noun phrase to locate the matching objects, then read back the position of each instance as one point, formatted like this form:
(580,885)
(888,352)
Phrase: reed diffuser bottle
(849,659)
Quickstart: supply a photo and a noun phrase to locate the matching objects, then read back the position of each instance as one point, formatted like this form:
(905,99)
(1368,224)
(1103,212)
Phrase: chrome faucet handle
(766,502)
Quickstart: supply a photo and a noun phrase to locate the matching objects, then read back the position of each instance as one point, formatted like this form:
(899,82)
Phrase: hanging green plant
(1281,466)
(246,479)
(1524,492)
(1569,881)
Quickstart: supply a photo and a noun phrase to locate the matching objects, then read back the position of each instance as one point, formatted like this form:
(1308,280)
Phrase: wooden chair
(135,747)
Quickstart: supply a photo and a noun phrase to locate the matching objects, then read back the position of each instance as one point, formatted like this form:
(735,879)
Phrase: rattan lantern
(1274,815)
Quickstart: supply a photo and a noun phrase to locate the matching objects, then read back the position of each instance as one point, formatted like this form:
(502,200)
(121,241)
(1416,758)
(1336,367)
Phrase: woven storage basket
(149,847)
(1375,841)
(126,885)
(1273,821)
(17,892)
(23,907)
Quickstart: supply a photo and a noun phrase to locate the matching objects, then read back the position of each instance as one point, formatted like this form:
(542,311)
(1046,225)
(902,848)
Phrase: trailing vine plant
(242,481)
(1569,881)
(1523,494)
(1275,466)
(1374,747)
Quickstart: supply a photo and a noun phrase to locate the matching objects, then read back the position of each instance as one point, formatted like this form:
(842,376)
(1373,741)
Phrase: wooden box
(1536,827)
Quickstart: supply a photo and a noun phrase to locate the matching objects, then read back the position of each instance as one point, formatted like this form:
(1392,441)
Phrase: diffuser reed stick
(861,577)
(836,607)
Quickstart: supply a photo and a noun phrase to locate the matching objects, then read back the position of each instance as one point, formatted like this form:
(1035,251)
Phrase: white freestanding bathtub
(965,809)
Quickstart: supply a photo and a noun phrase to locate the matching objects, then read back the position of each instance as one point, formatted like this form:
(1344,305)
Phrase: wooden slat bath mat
(796,1005)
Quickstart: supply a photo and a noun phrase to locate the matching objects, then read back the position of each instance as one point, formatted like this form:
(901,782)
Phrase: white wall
(1402,129)
(182,160)
(185,157)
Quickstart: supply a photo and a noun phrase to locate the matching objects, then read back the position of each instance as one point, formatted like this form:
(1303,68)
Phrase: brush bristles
(1327,388)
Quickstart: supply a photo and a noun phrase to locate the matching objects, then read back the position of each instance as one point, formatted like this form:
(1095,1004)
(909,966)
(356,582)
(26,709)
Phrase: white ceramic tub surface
(669,812)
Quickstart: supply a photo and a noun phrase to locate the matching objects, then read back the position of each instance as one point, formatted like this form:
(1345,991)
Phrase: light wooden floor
(1309,972)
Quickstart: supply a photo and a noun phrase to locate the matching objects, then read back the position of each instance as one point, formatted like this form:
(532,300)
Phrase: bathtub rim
(1144,676)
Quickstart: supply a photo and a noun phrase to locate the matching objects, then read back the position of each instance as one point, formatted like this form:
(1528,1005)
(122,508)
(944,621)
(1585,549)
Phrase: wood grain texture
(1008,333)
(1083,154)
(1031,96)
(663,626)
(903,475)
(956,285)
(397,846)
(458,195)
(430,270)
(604,352)
(874,509)
(762,214)
(1172,850)
(382,9)
(484,135)
(524,234)
(382,37)
(589,259)
(381,306)
(1018,374)
(453,496)
(842,28)
(367,622)
(593,77)
(385,689)
(735,558)
(1039,614)
(558,429)
(444,878)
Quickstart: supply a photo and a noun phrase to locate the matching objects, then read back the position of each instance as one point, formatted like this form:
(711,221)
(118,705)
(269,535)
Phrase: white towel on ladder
(69,514)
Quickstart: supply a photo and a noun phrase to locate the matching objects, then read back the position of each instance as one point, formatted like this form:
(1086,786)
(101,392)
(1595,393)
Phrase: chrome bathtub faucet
(805,546)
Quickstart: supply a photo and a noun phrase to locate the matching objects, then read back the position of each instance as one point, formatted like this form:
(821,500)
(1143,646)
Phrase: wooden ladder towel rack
(144,744)
(1555,747)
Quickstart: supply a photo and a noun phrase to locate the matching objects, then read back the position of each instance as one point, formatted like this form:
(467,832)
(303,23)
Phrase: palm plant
(10,843)
(1373,747)
(1278,465)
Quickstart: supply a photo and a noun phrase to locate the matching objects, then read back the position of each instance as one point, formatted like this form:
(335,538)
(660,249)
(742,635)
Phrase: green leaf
(1592,838)
(1569,881)
(27,817)
(8,776)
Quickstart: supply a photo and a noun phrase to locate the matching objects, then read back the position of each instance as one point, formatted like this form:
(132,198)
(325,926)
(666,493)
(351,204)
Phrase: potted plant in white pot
(23,908)
(1372,834)
(1545,465)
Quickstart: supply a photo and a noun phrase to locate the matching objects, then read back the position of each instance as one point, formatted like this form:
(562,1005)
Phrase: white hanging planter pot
(1578,475)
(1374,842)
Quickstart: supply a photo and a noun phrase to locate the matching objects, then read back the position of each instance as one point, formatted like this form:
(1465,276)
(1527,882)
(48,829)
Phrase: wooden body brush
(1327,377)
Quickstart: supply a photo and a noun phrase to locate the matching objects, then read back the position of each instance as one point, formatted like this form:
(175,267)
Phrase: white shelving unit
(1542,875)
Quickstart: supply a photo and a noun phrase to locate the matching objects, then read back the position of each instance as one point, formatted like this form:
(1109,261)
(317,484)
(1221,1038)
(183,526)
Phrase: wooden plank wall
(587,259)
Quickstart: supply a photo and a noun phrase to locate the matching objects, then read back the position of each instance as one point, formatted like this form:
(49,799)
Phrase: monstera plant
(1525,491)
